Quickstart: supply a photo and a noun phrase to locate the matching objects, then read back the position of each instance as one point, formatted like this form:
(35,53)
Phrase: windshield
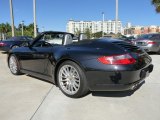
(49,39)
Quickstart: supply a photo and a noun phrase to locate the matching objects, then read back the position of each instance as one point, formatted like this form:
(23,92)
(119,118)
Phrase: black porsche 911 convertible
(82,66)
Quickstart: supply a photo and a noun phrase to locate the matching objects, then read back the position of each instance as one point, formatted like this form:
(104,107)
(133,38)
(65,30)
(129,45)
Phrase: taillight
(2,44)
(124,59)
(151,42)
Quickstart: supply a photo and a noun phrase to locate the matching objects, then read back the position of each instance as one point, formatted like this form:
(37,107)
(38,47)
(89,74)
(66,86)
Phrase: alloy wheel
(69,79)
(13,64)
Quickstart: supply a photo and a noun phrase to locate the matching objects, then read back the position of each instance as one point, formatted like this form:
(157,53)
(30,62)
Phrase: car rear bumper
(117,80)
(117,87)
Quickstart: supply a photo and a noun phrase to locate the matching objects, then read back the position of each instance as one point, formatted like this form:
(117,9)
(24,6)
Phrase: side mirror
(82,36)
(67,39)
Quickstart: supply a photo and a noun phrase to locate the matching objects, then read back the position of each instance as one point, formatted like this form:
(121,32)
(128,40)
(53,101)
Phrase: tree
(6,32)
(156,3)
(118,35)
(77,32)
(97,34)
(29,30)
(4,29)
(88,33)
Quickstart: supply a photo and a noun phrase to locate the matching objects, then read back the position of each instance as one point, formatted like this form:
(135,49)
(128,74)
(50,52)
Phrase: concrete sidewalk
(20,96)
(25,98)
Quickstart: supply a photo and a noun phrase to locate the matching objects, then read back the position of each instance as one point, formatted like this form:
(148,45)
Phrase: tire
(72,80)
(14,65)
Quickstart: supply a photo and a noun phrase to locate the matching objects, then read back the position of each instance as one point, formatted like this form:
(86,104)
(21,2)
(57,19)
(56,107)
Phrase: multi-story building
(95,26)
(144,30)
(158,29)
(152,29)
(137,30)
(132,30)
(128,25)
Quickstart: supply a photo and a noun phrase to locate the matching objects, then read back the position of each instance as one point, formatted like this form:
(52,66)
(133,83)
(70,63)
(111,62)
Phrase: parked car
(79,67)
(149,42)
(13,42)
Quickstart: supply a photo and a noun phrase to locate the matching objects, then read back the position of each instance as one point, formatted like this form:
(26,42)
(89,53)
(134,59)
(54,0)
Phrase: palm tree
(156,3)
(7,28)
(4,29)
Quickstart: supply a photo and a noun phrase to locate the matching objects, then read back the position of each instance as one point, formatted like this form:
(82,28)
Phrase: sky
(54,14)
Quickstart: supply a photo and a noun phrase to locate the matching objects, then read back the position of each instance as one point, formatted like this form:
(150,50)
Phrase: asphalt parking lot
(27,98)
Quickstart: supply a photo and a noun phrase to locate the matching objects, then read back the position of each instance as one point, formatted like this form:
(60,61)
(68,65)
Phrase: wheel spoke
(76,79)
(67,69)
(75,88)
(72,70)
(71,88)
(64,71)
(76,75)
(76,84)
(64,84)
(64,80)
(63,76)
(68,86)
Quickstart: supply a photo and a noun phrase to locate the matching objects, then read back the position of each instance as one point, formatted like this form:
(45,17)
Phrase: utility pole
(102,24)
(22,23)
(116,21)
(12,17)
(34,16)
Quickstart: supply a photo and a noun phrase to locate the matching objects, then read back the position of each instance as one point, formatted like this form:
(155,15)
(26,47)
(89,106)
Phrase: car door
(37,58)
